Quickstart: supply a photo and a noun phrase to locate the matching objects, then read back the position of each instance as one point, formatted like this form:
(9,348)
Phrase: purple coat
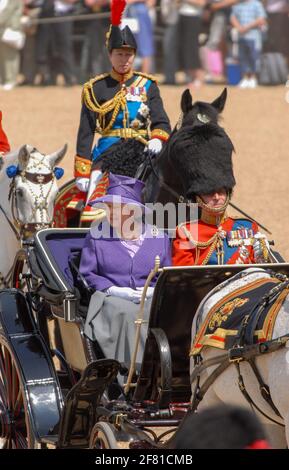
(105,262)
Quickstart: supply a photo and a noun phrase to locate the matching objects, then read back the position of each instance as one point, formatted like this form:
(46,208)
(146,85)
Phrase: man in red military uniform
(4,144)
(216,238)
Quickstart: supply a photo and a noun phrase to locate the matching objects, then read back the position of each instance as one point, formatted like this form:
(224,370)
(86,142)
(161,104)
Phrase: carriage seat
(58,254)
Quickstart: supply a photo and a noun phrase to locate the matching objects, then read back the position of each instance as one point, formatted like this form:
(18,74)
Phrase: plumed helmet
(117,38)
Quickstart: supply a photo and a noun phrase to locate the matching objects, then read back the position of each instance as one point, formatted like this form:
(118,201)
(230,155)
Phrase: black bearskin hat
(201,151)
(206,159)
(221,427)
(116,37)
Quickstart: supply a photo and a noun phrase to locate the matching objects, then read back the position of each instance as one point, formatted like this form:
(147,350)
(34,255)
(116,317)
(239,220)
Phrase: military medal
(240,237)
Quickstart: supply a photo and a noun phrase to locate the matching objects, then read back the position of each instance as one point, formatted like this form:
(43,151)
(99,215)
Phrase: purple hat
(123,190)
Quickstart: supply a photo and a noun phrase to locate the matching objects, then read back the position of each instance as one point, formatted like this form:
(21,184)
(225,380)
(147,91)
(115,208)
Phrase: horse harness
(40,201)
(163,184)
(242,350)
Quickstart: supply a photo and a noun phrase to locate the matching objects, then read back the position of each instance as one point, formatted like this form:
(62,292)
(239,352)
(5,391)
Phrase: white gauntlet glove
(82,184)
(155,145)
(261,248)
(149,293)
(95,176)
(125,293)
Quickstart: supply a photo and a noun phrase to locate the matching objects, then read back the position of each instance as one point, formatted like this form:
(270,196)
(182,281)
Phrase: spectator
(278,27)
(216,45)
(170,15)
(10,17)
(249,18)
(190,21)
(221,427)
(54,52)
(32,10)
(95,35)
(139,10)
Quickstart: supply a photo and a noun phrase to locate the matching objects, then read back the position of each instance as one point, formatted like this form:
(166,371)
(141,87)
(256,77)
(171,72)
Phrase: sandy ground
(256,120)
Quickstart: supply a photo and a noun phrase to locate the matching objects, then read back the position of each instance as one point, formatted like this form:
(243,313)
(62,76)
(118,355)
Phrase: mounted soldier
(124,107)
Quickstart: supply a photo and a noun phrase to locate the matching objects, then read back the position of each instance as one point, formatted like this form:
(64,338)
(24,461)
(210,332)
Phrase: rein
(163,184)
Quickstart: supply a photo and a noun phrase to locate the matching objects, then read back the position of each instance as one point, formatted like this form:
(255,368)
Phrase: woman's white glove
(82,184)
(149,292)
(261,248)
(155,145)
(125,293)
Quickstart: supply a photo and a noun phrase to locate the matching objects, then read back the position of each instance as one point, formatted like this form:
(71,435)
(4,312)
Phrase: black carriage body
(29,358)
(163,381)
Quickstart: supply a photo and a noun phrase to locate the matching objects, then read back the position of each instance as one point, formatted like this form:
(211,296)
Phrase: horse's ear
(23,156)
(220,102)
(57,156)
(186,101)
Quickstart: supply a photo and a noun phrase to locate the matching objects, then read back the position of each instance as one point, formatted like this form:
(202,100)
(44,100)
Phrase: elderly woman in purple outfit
(116,260)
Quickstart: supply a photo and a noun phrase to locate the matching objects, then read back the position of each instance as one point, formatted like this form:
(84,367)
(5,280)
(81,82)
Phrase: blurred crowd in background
(48,42)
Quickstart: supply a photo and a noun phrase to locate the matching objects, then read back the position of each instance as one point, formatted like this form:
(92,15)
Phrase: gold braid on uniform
(215,242)
(115,104)
(146,75)
(213,210)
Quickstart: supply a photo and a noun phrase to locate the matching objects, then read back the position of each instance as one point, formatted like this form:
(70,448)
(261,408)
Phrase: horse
(168,177)
(238,383)
(196,134)
(26,201)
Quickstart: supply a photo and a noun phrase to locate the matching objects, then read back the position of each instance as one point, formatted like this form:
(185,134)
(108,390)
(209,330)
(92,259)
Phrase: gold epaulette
(87,96)
(92,81)
(146,75)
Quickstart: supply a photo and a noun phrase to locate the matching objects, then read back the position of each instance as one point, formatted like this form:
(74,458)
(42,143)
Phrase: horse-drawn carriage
(56,387)
(58,390)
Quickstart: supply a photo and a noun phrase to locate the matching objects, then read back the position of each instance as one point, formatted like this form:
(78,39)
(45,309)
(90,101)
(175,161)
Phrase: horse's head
(200,112)
(35,186)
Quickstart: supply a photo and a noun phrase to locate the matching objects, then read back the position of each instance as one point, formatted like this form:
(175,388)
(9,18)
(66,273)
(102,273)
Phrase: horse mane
(123,158)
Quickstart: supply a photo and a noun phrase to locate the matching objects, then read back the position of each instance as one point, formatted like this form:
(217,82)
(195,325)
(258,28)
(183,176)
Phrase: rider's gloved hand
(125,293)
(95,176)
(261,248)
(149,293)
(82,184)
(155,145)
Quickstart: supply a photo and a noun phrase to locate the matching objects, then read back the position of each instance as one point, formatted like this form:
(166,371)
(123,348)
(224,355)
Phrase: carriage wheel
(15,427)
(103,436)
(19,268)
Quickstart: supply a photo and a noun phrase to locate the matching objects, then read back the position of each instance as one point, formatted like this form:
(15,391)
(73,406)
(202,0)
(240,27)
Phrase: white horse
(273,367)
(27,200)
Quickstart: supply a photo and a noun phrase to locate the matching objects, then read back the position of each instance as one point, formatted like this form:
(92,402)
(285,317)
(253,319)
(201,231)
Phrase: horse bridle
(24,230)
(163,184)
